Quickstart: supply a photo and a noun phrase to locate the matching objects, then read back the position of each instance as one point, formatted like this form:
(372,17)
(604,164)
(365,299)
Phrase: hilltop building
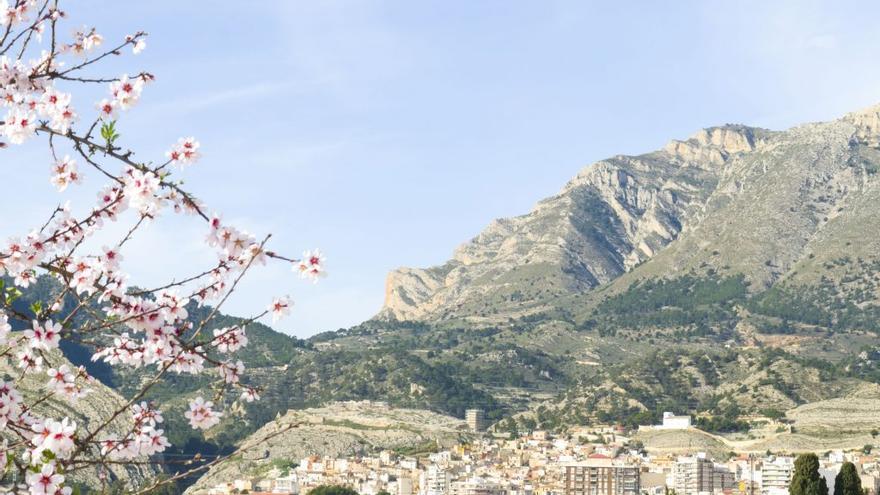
(670,422)
(673,422)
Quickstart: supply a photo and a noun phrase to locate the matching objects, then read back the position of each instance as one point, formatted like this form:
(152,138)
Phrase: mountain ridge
(621,212)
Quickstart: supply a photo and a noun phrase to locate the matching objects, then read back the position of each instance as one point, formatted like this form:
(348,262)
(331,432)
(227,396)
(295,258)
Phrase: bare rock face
(408,288)
(613,215)
(867,122)
(713,146)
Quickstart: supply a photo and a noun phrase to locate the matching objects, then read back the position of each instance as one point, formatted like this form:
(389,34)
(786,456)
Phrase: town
(601,460)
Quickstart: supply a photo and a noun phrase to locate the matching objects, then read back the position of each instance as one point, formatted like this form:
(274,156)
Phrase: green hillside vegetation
(449,368)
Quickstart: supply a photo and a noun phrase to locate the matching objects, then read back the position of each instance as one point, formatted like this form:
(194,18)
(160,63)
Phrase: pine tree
(847,481)
(806,479)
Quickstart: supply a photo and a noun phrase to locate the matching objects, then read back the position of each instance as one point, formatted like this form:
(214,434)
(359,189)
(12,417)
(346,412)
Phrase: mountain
(731,275)
(774,207)
(727,274)
(612,216)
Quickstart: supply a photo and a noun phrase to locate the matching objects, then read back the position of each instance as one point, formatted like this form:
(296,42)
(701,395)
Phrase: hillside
(292,374)
(88,413)
(337,429)
(846,423)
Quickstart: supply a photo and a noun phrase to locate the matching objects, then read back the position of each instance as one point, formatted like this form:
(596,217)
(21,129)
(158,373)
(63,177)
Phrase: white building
(477,486)
(776,475)
(871,483)
(435,481)
(387,457)
(441,458)
(236,486)
(288,485)
(673,422)
(829,472)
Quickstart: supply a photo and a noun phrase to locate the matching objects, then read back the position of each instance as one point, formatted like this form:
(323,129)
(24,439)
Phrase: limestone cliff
(613,215)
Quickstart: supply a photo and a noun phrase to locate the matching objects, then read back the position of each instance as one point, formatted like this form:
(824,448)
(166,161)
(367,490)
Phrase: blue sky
(387,133)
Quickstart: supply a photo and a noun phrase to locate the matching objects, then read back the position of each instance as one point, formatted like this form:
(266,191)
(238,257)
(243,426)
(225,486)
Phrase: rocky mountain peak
(867,122)
(714,145)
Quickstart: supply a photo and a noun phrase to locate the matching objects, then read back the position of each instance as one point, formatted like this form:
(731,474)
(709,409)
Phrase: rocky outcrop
(867,123)
(713,146)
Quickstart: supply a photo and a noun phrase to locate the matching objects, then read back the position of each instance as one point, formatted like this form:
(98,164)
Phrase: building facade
(436,481)
(673,422)
(477,486)
(601,477)
(476,420)
(723,478)
(776,475)
(693,475)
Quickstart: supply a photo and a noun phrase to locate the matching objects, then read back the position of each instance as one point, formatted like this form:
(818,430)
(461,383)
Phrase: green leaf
(108,132)
(37,308)
(12,293)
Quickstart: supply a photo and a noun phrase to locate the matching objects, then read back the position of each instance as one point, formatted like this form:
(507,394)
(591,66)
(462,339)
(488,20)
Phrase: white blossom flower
(45,481)
(311,265)
(280,308)
(201,414)
(185,152)
(64,173)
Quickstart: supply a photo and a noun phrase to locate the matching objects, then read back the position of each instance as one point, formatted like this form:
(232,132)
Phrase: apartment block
(601,477)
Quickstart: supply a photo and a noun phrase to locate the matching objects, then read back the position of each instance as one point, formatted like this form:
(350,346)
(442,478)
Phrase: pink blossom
(201,414)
